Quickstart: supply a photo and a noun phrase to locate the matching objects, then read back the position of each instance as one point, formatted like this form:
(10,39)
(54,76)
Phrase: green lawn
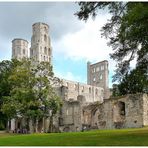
(122,137)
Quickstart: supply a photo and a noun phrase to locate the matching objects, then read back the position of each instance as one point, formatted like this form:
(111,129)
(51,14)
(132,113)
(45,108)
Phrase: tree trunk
(31,125)
(51,124)
(8,125)
(36,125)
(44,129)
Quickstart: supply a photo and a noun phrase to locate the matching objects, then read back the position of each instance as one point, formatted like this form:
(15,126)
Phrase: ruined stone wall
(124,112)
(75,89)
(71,116)
(134,110)
(105,117)
(100,115)
(145,109)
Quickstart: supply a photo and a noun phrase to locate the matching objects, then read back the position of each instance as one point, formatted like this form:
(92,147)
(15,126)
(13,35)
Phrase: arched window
(82,88)
(101,77)
(96,91)
(45,38)
(48,51)
(89,90)
(102,67)
(13,51)
(94,79)
(18,50)
(31,52)
(75,86)
(121,108)
(23,51)
(40,48)
(45,29)
(45,50)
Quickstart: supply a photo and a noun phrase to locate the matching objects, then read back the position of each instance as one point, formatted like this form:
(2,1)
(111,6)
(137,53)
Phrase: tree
(50,102)
(6,68)
(54,106)
(21,80)
(132,83)
(127,31)
(31,92)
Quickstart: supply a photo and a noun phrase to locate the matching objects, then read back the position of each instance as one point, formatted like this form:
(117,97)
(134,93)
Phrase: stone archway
(66,129)
(119,113)
(81,98)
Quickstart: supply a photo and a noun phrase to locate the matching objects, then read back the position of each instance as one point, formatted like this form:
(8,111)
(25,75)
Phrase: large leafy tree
(50,103)
(21,96)
(127,32)
(31,92)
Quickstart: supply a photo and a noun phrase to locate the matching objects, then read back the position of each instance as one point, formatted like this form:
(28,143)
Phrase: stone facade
(40,43)
(124,112)
(97,75)
(73,89)
(19,48)
(85,106)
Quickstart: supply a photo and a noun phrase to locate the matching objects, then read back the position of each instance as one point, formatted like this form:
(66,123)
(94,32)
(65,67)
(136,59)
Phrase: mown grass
(122,137)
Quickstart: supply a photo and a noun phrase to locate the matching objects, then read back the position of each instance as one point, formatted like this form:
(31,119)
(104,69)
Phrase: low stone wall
(123,112)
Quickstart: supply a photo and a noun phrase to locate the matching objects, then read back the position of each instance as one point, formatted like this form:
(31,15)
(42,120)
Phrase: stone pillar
(30,126)
(47,125)
(12,127)
(36,126)
(43,128)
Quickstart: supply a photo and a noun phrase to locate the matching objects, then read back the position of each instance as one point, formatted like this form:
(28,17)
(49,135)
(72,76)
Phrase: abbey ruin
(85,106)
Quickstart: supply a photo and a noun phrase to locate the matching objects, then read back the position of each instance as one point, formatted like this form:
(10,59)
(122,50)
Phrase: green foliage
(115,90)
(3,121)
(6,68)
(134,82)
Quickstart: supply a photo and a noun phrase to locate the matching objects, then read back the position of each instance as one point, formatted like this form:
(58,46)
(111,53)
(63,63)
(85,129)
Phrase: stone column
(31,126)
(12,127)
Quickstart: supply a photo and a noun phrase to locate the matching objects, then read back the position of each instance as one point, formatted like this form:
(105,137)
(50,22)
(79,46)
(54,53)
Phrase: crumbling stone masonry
(124,112)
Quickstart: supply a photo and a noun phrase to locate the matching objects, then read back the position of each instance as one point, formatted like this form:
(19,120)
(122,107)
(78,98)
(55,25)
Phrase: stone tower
(98,74)
(19,48)
(40,43)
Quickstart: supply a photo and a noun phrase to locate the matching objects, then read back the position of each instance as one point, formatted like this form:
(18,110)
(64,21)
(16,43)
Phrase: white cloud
(85,43)
(68,76)
(5,49)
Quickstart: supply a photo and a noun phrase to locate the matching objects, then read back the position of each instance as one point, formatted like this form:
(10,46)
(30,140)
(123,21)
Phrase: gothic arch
(45,38)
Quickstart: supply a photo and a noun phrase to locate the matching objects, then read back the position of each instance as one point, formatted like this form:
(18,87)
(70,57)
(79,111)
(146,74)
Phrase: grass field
(122,137)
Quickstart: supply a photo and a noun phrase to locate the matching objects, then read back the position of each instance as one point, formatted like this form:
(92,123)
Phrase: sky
(74,42)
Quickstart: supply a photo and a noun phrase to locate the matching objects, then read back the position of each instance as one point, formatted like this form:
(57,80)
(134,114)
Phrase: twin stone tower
(40,45)
(41,50)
